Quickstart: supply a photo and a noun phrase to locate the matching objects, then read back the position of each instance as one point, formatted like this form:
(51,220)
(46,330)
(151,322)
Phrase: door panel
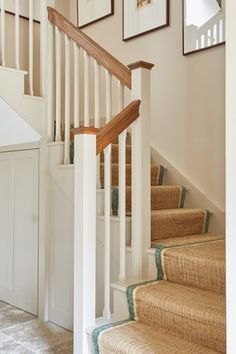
(19,229)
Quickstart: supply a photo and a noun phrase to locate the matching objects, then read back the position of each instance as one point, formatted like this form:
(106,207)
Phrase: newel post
(141,204)
(84,236)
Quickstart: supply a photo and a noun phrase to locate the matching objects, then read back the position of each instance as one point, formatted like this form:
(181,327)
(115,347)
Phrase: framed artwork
(90,11)
(144,16)
(203,25)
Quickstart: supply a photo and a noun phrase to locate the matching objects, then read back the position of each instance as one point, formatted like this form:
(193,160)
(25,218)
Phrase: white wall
(231,172)
(13,128)
(187,97)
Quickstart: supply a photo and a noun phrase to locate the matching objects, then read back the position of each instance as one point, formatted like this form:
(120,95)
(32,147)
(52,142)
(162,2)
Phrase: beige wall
(187,97)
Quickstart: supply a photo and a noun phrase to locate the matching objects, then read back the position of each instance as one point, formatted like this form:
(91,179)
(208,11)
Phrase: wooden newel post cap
(85,130)
(141,64)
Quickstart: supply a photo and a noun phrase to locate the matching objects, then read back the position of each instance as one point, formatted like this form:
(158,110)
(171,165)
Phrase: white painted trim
(230,173)
(16,71)
(20,147)
(43,268)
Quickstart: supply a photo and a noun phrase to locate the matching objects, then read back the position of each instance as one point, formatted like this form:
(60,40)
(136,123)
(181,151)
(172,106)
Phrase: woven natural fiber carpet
(182,311)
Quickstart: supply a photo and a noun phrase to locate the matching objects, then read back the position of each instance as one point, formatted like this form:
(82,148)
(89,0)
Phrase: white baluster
(67,101)
(86,89)
(97,93)
(107,204)
(3,39)
(76,86)
(122,188)
(84,240)
(43,46)
(58,84)
(31,46)
(97,122)
(108,97)
(141,204)
(17,35)
(50,101)
(107,233)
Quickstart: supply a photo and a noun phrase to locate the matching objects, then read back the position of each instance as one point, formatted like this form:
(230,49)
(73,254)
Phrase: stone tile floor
(21,332)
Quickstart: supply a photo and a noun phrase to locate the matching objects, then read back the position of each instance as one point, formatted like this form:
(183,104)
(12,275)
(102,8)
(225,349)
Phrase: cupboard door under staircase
(19,229)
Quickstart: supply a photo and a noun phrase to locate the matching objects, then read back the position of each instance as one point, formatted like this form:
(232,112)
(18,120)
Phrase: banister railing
(114,66)
(98,112)
(114,128)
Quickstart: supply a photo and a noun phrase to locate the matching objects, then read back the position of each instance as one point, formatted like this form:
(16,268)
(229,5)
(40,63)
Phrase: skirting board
(194,198)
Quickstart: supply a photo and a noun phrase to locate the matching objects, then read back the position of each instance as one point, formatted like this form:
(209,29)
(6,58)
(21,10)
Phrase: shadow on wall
(13,129)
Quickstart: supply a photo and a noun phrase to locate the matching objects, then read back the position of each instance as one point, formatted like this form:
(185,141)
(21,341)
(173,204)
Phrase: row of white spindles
(17,38)
(97,123)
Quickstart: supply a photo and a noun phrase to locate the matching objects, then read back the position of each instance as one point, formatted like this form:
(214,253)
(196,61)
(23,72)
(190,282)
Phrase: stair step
(134,337)
(199,265)
(162,197)
(196,315)
(178,222)
(186,240)
(156,174)
(115,153)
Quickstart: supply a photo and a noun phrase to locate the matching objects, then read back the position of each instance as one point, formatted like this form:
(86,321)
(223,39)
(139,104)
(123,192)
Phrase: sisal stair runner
(182,311)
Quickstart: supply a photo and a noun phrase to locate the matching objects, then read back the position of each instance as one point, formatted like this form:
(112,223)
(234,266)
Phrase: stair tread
(135,337)
(186,240)
(180,299)
(177,211)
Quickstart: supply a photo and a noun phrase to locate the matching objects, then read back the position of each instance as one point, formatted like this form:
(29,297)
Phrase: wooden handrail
(114,66)
(116,126)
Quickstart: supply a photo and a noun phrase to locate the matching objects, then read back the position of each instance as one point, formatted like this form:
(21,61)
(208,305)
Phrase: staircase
(159,273)
(183,309)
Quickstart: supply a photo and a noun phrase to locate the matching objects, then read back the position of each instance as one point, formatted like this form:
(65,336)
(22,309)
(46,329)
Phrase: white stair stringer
(30,108)
(119,288)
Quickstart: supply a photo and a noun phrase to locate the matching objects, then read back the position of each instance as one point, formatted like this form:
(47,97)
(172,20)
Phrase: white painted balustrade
(93,97)
(24,11)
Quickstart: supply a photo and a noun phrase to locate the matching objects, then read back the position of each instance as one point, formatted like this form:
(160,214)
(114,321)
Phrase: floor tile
(10,316)
(64,348)
(10,346)
(37,335)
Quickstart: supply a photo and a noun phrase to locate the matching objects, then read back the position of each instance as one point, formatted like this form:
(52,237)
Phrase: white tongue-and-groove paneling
(19,229)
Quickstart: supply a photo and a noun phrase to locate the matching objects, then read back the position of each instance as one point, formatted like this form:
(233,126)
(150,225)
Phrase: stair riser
(115,154)
(206,334)
(162,198)
(155,175)
(199,266)
(166,226)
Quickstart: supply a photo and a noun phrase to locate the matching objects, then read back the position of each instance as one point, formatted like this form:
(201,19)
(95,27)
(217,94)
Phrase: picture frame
(141,17)
(91,11)
(202,27)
